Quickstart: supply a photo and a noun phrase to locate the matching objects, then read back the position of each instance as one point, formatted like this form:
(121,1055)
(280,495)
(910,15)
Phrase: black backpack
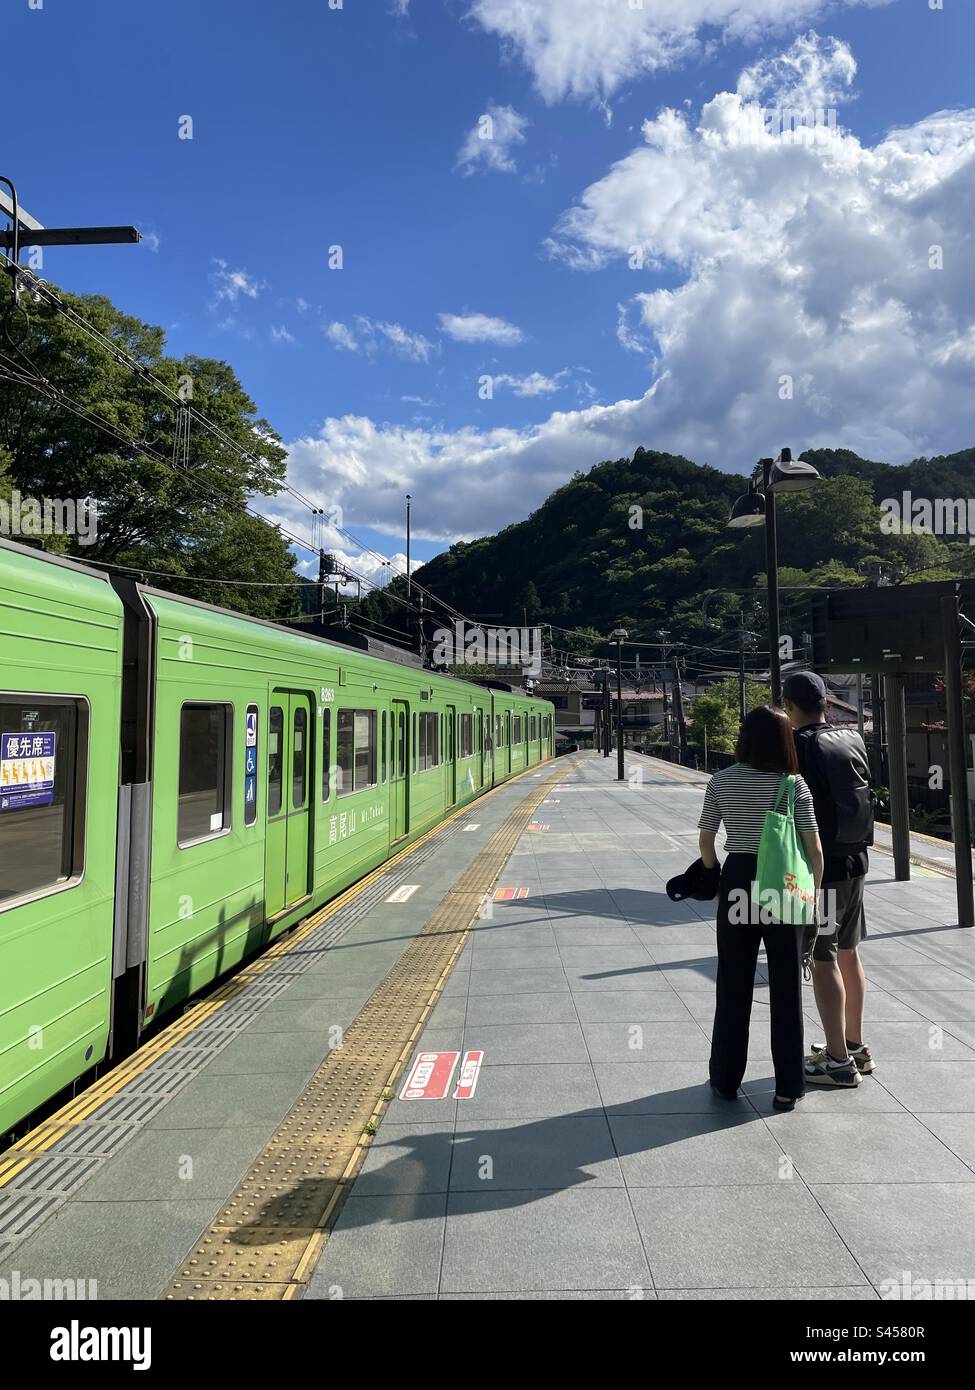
(834,763)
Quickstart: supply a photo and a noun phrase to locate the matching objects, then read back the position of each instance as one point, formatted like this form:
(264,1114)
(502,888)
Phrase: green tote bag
(784,883)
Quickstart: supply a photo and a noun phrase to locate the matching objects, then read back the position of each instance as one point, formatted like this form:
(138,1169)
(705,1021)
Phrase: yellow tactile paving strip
(267,1240)
(82,1107)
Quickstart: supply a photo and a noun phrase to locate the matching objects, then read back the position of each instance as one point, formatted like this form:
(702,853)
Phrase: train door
(399,770)
(477,748)
(288,861)
(451,754)
(487,751)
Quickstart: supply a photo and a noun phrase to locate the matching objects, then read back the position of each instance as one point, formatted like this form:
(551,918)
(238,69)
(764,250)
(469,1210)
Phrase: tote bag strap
(787,782)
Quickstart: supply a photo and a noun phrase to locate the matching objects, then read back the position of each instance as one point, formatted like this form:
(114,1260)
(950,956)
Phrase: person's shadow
(510,1165)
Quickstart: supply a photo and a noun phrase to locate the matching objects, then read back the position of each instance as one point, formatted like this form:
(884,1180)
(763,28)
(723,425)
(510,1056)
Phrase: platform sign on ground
(26,770)
(507,895)
(430,1076)
(470,1070)
(403,893)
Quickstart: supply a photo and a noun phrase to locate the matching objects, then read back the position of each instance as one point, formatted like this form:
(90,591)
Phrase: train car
(179,785)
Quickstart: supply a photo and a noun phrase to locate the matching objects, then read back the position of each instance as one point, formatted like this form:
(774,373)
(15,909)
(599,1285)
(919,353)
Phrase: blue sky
(315,126)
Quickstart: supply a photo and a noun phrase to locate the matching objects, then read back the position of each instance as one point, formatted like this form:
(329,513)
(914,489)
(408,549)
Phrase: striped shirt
(739,796)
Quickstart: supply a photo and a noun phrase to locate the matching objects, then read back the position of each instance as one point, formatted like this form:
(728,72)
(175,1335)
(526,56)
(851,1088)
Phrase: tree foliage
(107,434)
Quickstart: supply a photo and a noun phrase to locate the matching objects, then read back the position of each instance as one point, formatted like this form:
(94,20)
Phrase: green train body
(179,785)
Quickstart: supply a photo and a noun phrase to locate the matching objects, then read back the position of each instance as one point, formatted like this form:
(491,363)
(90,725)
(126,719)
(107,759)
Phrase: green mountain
(644,541)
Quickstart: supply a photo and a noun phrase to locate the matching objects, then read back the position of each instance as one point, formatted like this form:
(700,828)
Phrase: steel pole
(620,771)
(772,568)
(957,763)
(900,815)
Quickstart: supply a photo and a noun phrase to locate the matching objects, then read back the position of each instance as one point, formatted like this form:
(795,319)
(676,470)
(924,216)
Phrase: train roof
(151,591)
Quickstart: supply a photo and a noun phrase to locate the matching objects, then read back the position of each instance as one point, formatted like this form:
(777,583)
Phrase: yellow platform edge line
(90,1101)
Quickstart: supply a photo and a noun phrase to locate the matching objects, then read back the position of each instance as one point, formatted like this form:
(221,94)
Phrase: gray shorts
(845,924)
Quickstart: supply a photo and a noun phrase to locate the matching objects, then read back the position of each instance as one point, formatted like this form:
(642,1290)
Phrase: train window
(384,745)
(356,750)
(43,779)
(401,746)
(466,735)
(414,743)
(499,731)
(534,728)
(429,741)
(516,729)
(275,759)
(326,754)
(299,758)
(205,772)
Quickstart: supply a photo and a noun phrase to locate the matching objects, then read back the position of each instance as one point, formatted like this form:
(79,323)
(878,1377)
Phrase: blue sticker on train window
(250,761)
(251,728)
(26,770)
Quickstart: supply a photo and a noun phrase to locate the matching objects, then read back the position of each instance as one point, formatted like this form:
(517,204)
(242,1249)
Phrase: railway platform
(482,1074)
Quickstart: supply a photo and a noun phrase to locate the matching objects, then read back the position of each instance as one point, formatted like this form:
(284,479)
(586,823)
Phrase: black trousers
(738,943)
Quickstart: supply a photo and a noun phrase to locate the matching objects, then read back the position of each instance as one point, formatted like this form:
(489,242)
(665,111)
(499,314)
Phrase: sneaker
(861,1055)
(822,1070)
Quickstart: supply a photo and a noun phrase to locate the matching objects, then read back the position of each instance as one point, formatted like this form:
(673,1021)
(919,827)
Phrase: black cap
(804,687)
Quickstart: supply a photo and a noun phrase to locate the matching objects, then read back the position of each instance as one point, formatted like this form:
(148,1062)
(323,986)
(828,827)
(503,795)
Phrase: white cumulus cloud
(231,284)
(370,334)
(489,142)
(814,73)
(589,48)
(535,384)
(480,328)
(818,294)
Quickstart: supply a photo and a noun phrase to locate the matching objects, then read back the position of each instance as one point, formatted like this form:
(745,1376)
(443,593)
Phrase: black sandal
(784,1102)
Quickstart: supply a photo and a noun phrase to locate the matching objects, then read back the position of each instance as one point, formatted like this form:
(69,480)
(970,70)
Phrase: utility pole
(742,711)
(681,729)
(607,715)
(663,687)
(409,508)
(322,576)
(619,636)
(27,231)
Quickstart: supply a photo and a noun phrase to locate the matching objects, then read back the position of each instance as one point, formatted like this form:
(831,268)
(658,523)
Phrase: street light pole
(772,569)
(619,636)
(757,507)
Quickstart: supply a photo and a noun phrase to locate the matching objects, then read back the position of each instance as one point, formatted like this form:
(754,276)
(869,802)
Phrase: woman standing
(740,796)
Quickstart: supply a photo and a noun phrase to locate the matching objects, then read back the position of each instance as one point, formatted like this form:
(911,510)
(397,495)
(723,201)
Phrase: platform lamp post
(771,477)
(619,636)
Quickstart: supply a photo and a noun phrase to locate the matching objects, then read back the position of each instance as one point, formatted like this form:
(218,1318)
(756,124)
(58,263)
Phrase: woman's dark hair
(765,741)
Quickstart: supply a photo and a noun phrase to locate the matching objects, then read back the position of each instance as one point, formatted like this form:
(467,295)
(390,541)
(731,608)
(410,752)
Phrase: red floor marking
(430,1076)
(469,1072)
(505,895)
(536,826)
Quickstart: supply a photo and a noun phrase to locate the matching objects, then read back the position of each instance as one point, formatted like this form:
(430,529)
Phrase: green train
(180,784)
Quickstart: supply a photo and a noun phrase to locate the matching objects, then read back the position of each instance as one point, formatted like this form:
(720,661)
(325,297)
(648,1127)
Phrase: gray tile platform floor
(137,1212)
(593,1160)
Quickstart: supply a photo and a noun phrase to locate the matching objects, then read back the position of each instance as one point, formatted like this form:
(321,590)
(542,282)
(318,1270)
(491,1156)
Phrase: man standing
(834,763)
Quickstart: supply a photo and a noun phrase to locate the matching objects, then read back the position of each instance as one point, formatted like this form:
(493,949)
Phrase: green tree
(106,433)
(715,711)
